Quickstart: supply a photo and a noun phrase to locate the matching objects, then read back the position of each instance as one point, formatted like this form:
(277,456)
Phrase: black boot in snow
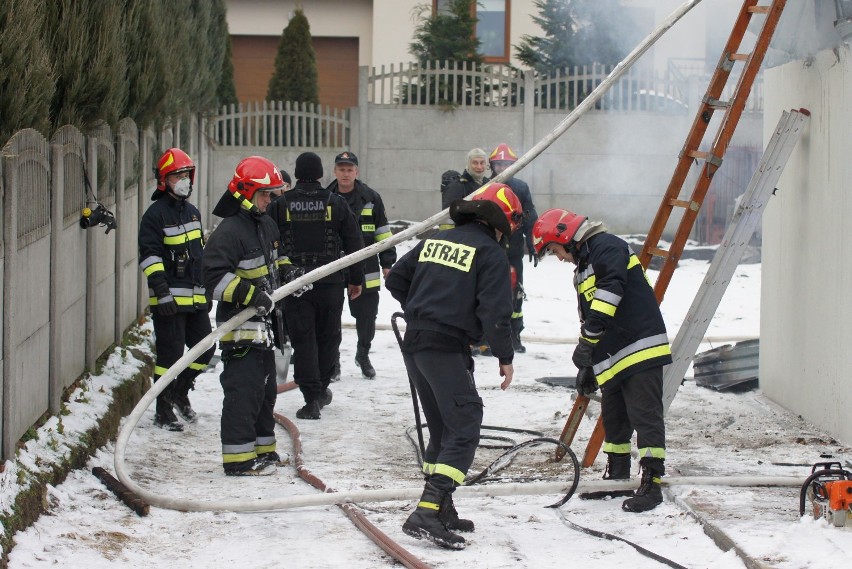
(617,466)
(425,522)
(362,359)
(450,516)
(164,417)
(183,407)
(649,495)
(325,398)
(311,410)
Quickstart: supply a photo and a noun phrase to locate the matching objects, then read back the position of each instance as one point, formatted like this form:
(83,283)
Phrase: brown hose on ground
(354,514)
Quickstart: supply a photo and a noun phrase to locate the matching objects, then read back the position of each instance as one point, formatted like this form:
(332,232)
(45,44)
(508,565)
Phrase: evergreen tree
(577,32)
(149,77)
(295,76)
(91,74)
(226,91)
(442,40)
(26,84)
(446,35)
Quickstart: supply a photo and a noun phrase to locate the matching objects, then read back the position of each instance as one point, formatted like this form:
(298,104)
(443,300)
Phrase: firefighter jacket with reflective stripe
(367,205)
(461,188)
(523,235)
(316,225)
(618,310)
(171,242)
(457,282)
(242,259)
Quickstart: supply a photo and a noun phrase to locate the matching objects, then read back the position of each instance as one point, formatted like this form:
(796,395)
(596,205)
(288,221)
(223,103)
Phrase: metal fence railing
(282,123)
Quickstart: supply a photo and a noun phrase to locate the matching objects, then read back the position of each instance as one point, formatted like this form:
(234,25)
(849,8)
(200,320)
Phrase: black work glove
(291,273)
(262,301)
(166,305)
(586,382)
(534,259)
(583,354)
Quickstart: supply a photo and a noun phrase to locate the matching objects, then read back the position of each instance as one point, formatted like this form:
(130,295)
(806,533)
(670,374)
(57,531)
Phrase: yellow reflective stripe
(284,261)
(182,238)
(197,366)
(653,452)
(622,448)
(383,236)
(446,225)
(199,298)
(152,301)
(184,300)
(257,273)
(373,283)
(428,468)
(587,288)
(160,370)
(367,211)
(633,359)
(250,294)
(260,449)
(590,340)
(328,213)
(517,315)
(632,262)
(228,293)
(603,307)
(454,473)
(238,457)
(155,268)
(428,505)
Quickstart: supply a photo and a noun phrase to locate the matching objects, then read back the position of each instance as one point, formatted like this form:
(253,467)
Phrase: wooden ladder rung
(657,252)
(739,56)
(699,155)
(759,9)
(680,203)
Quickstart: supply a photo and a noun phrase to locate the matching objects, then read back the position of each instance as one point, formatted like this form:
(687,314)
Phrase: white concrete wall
(806,307)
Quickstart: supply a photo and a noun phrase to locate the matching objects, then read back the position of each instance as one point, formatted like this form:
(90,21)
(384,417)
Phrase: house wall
(805,308)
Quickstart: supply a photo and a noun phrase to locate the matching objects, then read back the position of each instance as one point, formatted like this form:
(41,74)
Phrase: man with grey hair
(472,178)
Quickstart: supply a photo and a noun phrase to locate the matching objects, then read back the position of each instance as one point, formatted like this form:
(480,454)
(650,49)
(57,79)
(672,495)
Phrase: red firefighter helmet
(173,161)
(254,174)
(555,226)
(505,198)
(503,153)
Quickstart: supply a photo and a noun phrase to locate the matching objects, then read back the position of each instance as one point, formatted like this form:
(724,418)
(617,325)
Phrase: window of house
(492,27)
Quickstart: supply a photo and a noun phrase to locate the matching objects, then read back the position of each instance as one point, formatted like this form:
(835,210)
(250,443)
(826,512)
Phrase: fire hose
(386,494)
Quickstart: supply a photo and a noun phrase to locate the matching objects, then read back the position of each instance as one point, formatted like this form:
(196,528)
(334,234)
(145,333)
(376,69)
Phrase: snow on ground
(360,443)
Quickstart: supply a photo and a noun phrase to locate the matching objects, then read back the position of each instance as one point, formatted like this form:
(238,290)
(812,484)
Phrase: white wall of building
(806,306)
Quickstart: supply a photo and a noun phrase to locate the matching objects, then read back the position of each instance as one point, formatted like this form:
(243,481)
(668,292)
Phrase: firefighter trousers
(364,310)
(249,384)
(171,335)
(453,411)
(635,403)
(517,299)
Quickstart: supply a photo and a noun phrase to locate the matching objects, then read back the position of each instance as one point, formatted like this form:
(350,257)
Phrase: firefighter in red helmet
(455,288)
(243,265)
(171,243)
(623,344)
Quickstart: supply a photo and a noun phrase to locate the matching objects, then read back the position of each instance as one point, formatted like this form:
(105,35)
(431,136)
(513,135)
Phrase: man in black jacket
(367,205)
(243,265)
(622,348)
(454,288)
(471,179)
(171,242)
(316,225)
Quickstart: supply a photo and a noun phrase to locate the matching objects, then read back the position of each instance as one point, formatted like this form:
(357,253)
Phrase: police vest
(309,236)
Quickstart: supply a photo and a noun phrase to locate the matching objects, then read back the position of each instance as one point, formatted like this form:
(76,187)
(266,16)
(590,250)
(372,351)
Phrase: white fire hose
(400,493)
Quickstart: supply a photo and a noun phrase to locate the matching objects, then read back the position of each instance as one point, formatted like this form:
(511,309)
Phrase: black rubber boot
(335,376)
(425,521)
(325,398)
(164,417)
(649,494)
(517,346)
(183,407)
(252,467)
(311,410)
(450,516)
(617,466)
(362,359)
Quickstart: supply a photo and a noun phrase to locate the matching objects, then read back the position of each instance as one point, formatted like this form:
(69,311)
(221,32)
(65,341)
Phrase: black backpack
(448,178)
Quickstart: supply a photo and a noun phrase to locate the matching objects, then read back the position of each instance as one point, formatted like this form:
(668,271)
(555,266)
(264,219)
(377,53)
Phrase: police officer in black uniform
(368,207)
(242,267)
(454,288)
(316,226)
(171,242)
